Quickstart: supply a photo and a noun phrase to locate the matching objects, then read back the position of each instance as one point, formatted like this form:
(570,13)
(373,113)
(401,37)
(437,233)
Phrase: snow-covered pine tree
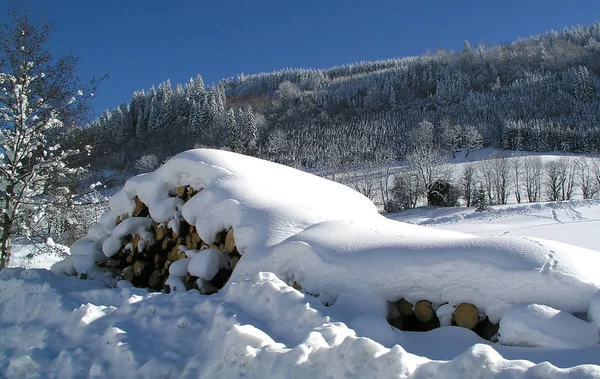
(39,98)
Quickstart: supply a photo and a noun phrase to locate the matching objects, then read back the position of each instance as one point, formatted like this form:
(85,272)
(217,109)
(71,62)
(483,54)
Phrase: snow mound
(331,240)
(537,325)
(57,326)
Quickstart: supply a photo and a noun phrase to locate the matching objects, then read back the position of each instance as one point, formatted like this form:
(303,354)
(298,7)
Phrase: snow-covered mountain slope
(294,227)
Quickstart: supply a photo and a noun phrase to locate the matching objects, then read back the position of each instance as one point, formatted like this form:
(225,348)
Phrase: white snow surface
(205,264)
(331,239)
(259,327)
(542,326)
(290,227)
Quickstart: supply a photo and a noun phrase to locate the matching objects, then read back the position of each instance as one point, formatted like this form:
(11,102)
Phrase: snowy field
(333,242)
(575,222)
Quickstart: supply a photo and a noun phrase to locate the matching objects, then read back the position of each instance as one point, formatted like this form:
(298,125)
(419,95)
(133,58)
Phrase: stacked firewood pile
(163,261)
(148,262)
(422,316)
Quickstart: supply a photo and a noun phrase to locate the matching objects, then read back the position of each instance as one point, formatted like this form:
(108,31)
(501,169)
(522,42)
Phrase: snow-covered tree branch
(40,98)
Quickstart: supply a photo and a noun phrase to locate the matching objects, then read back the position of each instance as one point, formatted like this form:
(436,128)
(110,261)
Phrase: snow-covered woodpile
(423,316)
(166,256)
(188,224)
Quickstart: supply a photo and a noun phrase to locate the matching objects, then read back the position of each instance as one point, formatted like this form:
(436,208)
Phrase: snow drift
(332,241)
(292,227)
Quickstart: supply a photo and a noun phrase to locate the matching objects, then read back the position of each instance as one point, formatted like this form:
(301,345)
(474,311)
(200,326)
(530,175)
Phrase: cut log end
(424,311)
(156,280)
(140,210)
(128,273)
(466,316)
(195,238)
(405,307)
(160,232)
(229,241)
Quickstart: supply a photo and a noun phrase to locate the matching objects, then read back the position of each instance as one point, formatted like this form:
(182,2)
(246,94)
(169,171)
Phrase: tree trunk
(6,236)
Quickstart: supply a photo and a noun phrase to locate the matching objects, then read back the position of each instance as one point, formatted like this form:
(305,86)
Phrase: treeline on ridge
(536,94)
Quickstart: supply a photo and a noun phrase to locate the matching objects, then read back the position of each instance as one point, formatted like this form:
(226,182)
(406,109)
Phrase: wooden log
(167,264)
(424,311)
(173,254)
(159,260)
(191,229)
(466,316)
(405,307)
(160,232)
(174,235)
(128,274)
(118,220)
(222,247)
(156,280)
(190,192)
(139,267)
(181,191)
(165,244)
(181,255)
(196,238)
(136,241)
(229,241)
(297,286)
(220,237)
(140,210)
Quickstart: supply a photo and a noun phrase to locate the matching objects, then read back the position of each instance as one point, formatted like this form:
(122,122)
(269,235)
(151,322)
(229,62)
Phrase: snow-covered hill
(293,227)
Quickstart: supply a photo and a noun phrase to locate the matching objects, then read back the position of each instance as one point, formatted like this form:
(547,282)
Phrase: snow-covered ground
(26,254)
(293,227)
(575,222)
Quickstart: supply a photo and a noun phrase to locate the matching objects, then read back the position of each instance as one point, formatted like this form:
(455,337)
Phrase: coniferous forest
(536,94)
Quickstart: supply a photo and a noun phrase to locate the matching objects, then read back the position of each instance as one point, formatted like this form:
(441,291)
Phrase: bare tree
(585,177)
(532,171)
(484,175)
(429,166)
(569,168)
(552,188)
(495,173)
(468,183)
(560,179)
(406,191)
(472,139)
(596,172)
(365,180)
(517,169)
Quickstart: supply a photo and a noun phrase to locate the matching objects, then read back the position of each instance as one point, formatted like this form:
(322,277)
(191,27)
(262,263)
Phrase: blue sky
(140,43)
